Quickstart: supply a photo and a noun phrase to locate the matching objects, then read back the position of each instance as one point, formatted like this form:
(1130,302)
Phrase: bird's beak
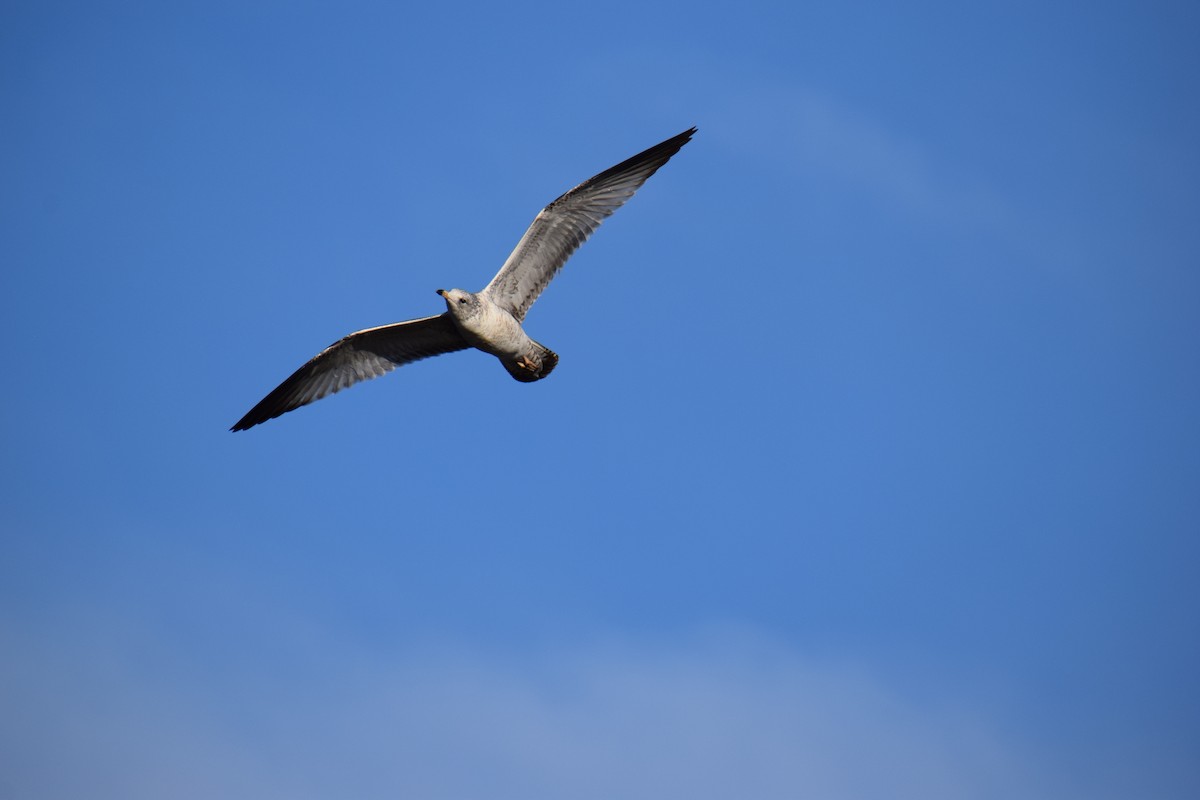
(442,292)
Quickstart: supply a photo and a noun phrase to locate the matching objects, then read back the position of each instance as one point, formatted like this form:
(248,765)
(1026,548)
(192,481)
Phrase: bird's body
(488,320)
(488,327)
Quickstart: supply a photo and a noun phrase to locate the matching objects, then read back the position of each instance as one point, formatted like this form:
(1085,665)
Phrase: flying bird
(489,320)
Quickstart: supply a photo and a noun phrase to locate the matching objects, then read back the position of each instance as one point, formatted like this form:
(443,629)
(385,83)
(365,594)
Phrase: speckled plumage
(489,320)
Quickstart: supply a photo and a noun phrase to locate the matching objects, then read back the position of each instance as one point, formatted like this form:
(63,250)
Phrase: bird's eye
(462,301)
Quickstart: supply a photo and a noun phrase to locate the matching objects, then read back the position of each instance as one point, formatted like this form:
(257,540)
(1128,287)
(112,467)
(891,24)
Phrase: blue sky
(871,467)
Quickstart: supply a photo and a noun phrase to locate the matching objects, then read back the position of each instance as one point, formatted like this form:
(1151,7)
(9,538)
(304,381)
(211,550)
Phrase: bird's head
(461,304)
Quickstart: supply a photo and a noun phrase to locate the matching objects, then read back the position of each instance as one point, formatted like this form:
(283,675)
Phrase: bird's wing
(566,223)
(358,357)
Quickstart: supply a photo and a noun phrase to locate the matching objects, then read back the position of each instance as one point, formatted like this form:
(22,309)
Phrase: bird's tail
(536,364)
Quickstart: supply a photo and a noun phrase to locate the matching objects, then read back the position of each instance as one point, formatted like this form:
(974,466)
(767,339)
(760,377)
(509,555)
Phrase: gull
(488,320)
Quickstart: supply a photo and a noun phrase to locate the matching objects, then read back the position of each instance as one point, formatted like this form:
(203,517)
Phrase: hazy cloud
(723,715)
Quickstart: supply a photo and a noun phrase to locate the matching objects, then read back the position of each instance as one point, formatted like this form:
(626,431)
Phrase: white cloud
(723,715)
(814,134)
(823,141)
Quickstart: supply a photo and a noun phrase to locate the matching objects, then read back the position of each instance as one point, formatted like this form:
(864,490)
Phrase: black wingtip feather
(657,155)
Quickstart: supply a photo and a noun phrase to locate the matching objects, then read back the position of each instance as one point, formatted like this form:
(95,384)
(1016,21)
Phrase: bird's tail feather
(533,366)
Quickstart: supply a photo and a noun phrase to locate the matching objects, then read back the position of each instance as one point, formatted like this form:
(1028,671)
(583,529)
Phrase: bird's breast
(494,331)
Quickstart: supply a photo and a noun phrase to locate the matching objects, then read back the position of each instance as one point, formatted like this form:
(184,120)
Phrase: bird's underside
(489,320)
